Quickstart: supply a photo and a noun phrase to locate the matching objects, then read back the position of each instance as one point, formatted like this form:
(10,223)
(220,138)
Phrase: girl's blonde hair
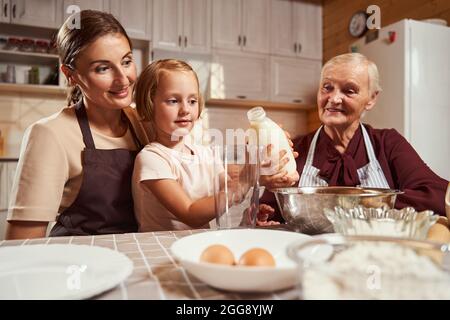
(358,59)
(147,85)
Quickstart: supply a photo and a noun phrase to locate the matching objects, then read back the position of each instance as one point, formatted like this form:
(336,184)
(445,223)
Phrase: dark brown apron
(104,203)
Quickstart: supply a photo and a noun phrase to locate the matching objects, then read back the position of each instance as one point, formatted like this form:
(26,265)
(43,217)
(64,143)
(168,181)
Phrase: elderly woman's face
(343,95)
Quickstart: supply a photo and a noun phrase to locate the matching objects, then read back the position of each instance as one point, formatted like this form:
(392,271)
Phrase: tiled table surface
(156,273)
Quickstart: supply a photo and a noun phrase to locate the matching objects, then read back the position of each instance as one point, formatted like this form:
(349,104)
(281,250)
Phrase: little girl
(173,177)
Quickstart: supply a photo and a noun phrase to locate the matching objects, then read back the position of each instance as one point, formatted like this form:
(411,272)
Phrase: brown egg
(219,254)
(257,257)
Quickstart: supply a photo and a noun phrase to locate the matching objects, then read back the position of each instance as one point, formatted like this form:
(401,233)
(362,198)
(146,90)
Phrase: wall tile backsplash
(18,111)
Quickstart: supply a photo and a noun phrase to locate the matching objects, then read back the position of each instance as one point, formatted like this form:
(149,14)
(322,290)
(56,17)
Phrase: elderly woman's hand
(278,177)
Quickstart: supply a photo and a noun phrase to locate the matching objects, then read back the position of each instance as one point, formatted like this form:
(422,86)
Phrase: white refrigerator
(413,60)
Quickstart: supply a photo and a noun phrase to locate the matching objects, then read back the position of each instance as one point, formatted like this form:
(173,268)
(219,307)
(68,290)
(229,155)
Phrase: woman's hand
(278,177)
(265,212)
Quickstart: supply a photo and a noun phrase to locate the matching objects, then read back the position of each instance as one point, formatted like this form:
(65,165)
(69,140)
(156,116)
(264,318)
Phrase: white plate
(60,271)
(233,278)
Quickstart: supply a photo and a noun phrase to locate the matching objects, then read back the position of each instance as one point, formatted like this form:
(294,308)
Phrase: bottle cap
(256,114)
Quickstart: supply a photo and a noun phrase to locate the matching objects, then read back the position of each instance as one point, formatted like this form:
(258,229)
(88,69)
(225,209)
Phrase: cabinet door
(43,13)
(294,80)
(282,21)
(256,26)
(197,26)
(167,24)
(226,24)
(239,76)
(135,16)
(5,14)
(308,27)
(100,5)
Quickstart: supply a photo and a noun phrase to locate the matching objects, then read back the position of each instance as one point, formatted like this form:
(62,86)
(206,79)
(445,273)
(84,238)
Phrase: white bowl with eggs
(242,278)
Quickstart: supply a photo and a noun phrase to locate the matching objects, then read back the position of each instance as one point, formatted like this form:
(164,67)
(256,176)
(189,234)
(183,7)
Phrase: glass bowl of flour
(371,267)
(383,221)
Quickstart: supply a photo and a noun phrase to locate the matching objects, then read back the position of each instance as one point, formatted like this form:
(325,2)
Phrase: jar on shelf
(27,45)
(13,44)
(33,75)
(3,42)
(41,46)
(52,47)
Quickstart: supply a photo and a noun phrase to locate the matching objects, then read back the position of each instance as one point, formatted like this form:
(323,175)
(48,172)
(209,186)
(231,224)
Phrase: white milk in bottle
(268,132)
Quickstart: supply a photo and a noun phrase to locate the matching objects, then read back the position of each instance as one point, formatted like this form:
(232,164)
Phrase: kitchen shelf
(24,57)
(32,88)
(236,103)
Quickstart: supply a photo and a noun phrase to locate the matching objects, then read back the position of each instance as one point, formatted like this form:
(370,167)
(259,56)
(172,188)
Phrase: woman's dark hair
(72,38)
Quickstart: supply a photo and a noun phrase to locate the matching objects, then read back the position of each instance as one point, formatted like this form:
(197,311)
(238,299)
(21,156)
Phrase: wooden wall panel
(337,13)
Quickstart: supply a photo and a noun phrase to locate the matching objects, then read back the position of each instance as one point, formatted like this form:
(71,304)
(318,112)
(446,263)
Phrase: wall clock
(357,25)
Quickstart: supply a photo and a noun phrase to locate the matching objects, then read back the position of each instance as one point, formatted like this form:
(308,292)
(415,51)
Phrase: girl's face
(106,73)
(175,103)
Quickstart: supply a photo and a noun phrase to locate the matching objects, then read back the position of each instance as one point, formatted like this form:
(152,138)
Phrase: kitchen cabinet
(43,13)
(296,28)
(241,25)
(135,16)
(237,75)
(182,25)
(100,5)
(294,80)
(7,172)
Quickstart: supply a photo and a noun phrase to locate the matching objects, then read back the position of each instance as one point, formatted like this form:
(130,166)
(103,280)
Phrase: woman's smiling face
(106,73)
(344,95)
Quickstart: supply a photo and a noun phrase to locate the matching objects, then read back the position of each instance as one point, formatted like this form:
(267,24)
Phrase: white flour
(377,271)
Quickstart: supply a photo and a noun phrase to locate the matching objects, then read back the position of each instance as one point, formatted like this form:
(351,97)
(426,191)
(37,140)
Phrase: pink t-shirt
(194,172)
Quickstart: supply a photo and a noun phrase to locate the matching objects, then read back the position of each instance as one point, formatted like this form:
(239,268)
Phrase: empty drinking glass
(236,186)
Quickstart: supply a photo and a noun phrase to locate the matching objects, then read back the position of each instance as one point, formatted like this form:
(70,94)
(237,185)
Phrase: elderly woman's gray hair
(357,59)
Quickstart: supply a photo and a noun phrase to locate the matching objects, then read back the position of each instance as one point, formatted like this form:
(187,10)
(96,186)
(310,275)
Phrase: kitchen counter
(156,274)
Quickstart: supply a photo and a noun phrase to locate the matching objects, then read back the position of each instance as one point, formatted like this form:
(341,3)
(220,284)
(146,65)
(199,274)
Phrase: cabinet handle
(185,41)
(5,10)
(297,101)
(179,41)
(299,47)
(14,11)
(241,97)
(245,40)
(295,47)
(239,40)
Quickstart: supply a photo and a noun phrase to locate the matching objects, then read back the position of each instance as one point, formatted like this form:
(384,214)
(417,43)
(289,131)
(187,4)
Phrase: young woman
(75,166)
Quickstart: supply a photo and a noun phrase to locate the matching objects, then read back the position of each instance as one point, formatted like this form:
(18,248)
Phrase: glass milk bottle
(268,132)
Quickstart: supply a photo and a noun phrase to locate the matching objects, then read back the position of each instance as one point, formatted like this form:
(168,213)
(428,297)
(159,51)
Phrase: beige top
(49,172)
(194,172)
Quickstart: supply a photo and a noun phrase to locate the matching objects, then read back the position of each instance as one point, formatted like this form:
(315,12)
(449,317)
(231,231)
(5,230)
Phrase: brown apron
(104,203)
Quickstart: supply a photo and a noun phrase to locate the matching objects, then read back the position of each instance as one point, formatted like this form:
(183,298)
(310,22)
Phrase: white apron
(371,175)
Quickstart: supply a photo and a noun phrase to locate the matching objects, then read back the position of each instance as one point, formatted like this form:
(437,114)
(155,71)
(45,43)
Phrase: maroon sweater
(402,167)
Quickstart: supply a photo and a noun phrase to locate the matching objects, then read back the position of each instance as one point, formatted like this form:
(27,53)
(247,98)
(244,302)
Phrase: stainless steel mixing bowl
(303,207)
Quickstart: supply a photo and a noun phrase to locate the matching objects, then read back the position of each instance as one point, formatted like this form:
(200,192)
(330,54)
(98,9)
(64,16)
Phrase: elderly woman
(345,152)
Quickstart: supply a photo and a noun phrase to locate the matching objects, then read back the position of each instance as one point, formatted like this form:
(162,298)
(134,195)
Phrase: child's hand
(265,212)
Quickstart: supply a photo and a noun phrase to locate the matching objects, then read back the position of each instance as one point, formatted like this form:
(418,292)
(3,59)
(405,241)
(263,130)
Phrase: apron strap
(137,142)
(81,114)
